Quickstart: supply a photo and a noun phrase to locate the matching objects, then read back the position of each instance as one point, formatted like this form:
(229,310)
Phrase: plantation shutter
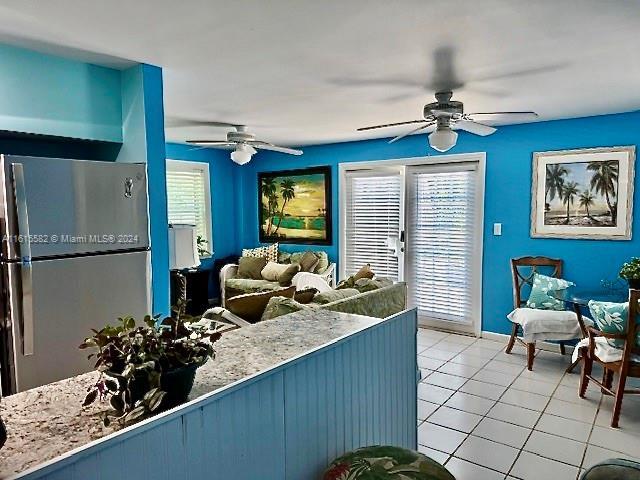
(372,215)
(441,241)
(187,196)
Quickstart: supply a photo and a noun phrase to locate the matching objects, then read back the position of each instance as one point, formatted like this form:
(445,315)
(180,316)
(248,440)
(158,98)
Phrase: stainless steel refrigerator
(75,256)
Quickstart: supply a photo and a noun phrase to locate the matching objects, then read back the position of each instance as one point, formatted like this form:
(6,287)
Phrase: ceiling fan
(444,116)
(243,143)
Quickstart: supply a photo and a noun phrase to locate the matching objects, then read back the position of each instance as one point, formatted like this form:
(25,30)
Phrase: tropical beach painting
(583,193)
(295,206)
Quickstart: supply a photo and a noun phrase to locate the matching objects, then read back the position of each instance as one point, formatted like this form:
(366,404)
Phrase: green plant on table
(201,244)
(631,269)
(132,358)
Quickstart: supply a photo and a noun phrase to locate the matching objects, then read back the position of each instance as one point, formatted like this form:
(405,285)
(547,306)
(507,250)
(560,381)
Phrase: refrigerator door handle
(24,240)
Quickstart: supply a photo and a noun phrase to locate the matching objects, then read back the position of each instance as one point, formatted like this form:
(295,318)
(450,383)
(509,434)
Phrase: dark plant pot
(3,433)
(634,283)
(177,383)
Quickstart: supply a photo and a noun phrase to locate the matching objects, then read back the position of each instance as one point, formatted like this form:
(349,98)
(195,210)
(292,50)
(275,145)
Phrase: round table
(579,299)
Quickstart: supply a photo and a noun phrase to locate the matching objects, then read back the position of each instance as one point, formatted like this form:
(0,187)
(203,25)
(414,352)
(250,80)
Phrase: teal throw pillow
(612,318)
(542,292)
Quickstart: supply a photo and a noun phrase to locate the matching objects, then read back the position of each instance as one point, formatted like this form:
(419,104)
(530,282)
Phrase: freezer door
(69,207)
(69,297)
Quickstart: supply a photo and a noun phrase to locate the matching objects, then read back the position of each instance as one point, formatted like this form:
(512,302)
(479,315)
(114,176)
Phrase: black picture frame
(328,214)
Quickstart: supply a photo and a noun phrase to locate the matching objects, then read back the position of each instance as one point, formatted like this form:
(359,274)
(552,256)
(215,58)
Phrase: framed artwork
(295,206)
(585,193)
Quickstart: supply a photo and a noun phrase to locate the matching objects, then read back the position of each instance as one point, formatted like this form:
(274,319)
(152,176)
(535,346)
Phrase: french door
(419,223)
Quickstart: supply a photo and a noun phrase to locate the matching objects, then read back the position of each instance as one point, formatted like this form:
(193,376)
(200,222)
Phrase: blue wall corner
(143,141)
(507,197)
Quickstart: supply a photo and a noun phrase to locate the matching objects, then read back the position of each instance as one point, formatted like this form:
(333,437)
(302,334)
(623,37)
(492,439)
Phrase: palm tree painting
(583,193)
(595,186)
(294,206)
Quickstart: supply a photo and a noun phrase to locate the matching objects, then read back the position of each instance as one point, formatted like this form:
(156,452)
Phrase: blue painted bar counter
(281,399)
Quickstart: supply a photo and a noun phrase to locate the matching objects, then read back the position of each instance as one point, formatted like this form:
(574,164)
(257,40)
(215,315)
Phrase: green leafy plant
(132,360)
(201,244)
(631,269)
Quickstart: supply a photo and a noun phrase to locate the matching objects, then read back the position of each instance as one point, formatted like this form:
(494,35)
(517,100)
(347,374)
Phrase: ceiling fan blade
(176,122)
(362,129)
(519,73)
(411,132)
(212,143)
(275,148)
(474,127)
(512,116)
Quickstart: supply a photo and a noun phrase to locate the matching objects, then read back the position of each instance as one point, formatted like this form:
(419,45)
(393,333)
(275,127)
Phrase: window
(188,196)
(372,221)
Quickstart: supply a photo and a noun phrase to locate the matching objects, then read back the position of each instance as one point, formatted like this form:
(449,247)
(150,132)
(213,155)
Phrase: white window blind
(188,198)
(372,215)
(441,242)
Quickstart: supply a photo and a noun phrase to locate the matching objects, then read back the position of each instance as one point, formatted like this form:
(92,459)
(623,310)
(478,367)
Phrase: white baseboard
(547,346)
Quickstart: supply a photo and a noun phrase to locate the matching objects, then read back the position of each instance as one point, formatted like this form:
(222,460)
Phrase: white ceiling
(312,71)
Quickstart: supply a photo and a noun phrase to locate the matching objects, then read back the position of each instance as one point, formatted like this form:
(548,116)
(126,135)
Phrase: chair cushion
(386,463)
(542,290)
(546,324)
(270,252)
(248,285)
(251,267)
(613,469)
(251,306)
(612,318)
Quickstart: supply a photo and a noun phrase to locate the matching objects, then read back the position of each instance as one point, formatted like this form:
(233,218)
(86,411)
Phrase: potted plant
(147,368)
(201,244)
(630,271)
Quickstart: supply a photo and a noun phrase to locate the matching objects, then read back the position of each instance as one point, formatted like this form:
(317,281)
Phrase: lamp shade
(183,248)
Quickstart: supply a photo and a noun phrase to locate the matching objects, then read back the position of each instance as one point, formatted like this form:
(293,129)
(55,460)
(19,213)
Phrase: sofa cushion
(308,262)
(270,252)
(368,284)
(251,267)
(251,306)
(542,291)
(334,295)
(246,285)
(278,306)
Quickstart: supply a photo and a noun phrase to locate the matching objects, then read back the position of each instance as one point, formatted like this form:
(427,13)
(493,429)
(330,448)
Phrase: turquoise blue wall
(54,96)
(222,173)
(507,198)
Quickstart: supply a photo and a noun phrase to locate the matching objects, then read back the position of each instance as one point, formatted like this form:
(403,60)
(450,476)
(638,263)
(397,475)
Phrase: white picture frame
(583,194)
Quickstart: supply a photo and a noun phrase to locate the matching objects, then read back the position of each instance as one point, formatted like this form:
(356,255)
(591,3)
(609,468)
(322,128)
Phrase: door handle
(27,327)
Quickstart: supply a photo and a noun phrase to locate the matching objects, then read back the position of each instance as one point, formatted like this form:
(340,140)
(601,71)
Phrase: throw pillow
(284,279)
(542,290)
(364,272)
(279,306)
(250,267)
(250,306)
(612,318)
(305,296)
(270,252)
(273,270)
(334,295)
(308,262)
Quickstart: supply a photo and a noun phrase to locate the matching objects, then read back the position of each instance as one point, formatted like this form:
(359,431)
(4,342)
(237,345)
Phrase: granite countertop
(48,421)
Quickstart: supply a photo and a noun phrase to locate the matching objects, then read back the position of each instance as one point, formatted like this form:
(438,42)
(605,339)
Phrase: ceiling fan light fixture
(442,139)
(242,154)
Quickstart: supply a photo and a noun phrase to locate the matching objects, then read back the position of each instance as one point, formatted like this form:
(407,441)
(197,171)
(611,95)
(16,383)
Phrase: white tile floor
(484,416)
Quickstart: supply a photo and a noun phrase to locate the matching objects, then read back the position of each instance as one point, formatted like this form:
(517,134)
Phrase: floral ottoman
(386,463)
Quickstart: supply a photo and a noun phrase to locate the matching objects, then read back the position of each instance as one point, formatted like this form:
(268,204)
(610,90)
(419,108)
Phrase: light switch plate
(497,229)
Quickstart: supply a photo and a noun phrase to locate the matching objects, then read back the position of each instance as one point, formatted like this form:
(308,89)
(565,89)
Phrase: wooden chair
(522,270)
(625,368)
